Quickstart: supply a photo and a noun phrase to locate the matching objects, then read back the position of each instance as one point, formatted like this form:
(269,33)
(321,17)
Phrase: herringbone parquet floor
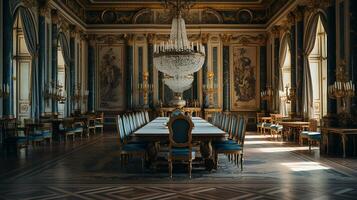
(91,170)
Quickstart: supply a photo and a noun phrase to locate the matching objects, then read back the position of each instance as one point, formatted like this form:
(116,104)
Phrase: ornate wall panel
(110,77)
(244,78)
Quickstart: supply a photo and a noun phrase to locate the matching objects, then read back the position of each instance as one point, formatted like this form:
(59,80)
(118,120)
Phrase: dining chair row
(126,125)
(235,126)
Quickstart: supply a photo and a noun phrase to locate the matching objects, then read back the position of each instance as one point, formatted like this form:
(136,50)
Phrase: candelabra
(266,94)
(55,92)
(289,94)
(145,87)
(79,95)
(342,88)
(210,88)
(4,91)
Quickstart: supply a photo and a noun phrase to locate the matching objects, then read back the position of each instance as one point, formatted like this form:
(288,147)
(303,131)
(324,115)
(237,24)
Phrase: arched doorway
(318,70)
(21,77)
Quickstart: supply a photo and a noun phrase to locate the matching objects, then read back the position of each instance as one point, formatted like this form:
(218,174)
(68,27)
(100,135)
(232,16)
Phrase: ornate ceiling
(110,12)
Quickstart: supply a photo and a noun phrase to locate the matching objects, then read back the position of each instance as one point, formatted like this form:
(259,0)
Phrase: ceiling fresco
(94,12)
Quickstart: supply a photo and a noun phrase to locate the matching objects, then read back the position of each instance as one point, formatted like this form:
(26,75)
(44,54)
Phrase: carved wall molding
(129,38)
(150,37)
(140,13)
(245,39)
(275,31)
(215,13)
(226,38)
(109,39)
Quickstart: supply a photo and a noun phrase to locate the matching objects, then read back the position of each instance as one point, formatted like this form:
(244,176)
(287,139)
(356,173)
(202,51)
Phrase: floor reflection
(304,166)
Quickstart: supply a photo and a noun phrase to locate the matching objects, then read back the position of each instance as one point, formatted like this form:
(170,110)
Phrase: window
(318,69)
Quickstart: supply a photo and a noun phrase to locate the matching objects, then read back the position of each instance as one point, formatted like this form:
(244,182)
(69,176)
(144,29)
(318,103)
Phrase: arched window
(318,70)
(61,79)
(285,107)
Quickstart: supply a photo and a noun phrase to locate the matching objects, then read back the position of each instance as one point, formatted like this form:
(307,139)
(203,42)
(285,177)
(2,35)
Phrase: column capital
(150,37)
(44,9)
(275,31)
(290,18)
(54,16)
(91,39)
(204,38)
(226,38)
(129,38)
(299,13)
(73,30)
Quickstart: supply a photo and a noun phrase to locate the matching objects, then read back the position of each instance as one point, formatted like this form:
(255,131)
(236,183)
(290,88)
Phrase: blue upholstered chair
(66,129)
(147,118)
(310,134)
(12,138)
(180,141)
(99,122)
(233,148)
(90,125)
(46,130)
(128,150)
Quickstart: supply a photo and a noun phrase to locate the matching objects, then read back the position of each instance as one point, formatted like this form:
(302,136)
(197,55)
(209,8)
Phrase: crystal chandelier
(179,84)
(178,58)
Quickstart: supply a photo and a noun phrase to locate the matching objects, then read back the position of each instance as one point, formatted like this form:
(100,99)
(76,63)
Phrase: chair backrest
(232,129)
(68,122)
(46,126)
(147,117)
(137,120)
(132,122)
(100,117)
(313,125)
(259,116)
(127,126)
(226,123)
(242,123)
(223,121)
(120,130)
(180,128)
(141,119)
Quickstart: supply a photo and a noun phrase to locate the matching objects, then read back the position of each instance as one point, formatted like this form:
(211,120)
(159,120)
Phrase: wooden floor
(90,169)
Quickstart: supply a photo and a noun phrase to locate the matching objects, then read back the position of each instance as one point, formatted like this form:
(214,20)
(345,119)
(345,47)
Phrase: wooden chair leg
(170,169)
(241,162)
(190,168)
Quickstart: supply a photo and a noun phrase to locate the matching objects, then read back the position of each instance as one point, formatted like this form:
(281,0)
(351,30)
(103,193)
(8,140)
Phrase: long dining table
(203,133)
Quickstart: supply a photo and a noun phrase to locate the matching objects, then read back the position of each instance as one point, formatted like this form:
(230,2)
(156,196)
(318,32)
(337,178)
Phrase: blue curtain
(65,48)
(30,36)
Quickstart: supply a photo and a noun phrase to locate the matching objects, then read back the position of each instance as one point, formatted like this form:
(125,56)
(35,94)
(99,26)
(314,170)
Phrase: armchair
(180,141)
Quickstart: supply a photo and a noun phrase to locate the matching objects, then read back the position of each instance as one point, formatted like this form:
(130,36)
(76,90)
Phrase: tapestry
(244,79)
(110,77)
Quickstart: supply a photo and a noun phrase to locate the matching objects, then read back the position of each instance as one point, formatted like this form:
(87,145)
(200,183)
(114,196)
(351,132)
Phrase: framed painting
(110,77)
(244,70)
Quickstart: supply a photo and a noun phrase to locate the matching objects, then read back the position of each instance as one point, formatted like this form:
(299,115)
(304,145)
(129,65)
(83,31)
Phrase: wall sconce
(145,87)
(55,92)
(266,94)
(210,88)
(342,88)
(79,95)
